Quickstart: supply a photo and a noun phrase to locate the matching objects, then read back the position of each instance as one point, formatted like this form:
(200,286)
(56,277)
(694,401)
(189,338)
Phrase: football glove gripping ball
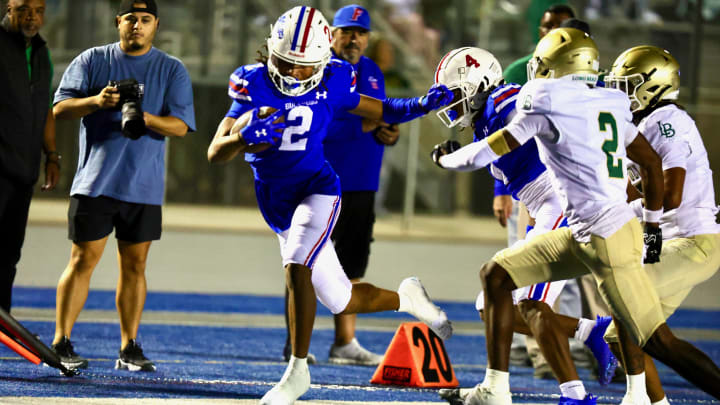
(652,237)
(438,96)
(263,130)
(443,149)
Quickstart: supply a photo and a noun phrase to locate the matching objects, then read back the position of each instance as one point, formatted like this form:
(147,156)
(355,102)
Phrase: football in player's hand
(262,113)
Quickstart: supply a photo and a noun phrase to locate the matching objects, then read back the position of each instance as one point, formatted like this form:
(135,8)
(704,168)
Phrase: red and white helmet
(301,36)
(466,72)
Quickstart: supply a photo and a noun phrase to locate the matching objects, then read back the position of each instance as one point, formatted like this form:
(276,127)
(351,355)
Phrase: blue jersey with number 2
(296,168)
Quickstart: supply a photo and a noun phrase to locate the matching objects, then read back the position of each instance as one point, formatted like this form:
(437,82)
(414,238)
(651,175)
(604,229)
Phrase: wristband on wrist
(652,216)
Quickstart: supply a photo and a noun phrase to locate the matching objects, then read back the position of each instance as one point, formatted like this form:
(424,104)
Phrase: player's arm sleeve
(349,98)
(238,93)
(74,82)
(399,110)
(237,109)
(674,151)
(524,126)
(631,132)
(180,97)
(501,188)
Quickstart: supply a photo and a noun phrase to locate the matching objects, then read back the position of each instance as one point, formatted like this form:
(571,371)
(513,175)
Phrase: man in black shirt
(27,127)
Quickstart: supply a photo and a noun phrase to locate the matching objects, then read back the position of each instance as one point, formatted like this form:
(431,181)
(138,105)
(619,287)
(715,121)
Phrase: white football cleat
(353,353)
(415,301)
(294,383)
(484,396)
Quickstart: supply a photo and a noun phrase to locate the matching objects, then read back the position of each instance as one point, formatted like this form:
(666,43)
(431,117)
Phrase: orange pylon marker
(416,357)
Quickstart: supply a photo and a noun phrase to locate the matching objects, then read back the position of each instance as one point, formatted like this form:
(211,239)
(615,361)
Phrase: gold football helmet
(647,74)
(565,52)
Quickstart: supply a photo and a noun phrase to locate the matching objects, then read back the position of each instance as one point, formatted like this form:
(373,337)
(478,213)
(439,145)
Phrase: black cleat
(68,357)
(133,359)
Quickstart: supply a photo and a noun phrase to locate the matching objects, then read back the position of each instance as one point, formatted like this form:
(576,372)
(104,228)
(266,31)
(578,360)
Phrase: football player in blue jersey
(484,102)
(297,190)
(354,148)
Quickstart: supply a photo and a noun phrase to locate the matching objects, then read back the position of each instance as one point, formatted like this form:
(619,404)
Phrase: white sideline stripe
(244,362)
(236,319)
(179,401)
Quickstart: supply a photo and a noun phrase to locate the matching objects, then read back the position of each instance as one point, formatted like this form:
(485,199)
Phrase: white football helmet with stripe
(301,36)
(466,72)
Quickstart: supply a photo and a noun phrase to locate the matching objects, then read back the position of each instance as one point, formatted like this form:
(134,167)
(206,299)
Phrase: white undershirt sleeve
(479,154)
(470,157)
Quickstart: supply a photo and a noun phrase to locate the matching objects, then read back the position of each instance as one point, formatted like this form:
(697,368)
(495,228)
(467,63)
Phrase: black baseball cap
(577,24)
(128,6)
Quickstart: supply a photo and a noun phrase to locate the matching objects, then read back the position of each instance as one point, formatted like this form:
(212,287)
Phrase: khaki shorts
(684,263)
(615,262)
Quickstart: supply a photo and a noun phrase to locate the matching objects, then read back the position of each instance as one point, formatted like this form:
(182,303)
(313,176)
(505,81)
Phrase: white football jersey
(674,136)
(582,133)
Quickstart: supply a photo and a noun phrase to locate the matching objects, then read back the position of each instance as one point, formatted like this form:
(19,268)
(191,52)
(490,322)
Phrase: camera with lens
(131,94)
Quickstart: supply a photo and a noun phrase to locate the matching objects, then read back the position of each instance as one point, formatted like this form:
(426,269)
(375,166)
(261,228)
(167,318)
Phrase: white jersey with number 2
(582,133)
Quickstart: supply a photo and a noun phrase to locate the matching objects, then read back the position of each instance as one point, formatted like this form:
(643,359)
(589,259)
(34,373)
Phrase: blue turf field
(244,362)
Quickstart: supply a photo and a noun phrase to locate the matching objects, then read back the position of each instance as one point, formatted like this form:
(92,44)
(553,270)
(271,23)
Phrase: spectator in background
(516,72)
(27,127)
(120,180)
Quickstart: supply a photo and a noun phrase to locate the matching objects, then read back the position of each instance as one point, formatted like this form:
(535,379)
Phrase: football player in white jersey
(297,191)
(482,101)
(691,248)
(585,135)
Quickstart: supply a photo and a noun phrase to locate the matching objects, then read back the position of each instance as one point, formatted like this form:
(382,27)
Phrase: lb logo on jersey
(666,129)
(527,103)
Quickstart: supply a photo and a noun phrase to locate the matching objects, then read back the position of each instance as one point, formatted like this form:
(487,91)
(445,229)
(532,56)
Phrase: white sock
(584,327)
(663,401)
(573,389)
(405,304)
(496,380)
(636,385)
(296,362)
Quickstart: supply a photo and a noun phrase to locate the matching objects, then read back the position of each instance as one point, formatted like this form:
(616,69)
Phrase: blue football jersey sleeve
(239,90)
(341,83)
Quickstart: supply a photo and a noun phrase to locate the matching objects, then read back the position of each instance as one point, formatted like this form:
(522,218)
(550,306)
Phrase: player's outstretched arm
(479,154)
(399,110)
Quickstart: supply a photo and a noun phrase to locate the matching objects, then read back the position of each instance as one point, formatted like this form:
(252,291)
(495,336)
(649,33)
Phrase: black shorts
(353,232)
(93,218)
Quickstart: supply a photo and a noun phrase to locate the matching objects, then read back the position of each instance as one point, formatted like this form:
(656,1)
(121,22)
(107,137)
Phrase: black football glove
(443,149)
(652,237)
